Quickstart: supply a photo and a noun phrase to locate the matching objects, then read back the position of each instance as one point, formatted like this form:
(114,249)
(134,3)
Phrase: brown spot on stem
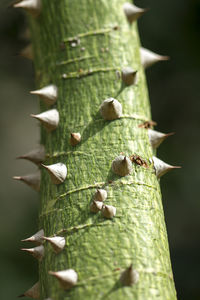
(147,124)
(139,161)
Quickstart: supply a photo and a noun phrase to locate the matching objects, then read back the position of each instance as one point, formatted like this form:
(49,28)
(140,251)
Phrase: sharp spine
(129,277)
(32,180)
(57,243)
(49,94)
(108,211)
(33,292)
(149,58)
(129,76)
(36,238)
(156,137)
(27,52)
(37,252)
(31,6)
(122,165)
(100,195)
(133,12)
(36,156)
(67,278)
(161,167)
(57,172)
(75,138)
(49,119)
(111,109)
(96,206)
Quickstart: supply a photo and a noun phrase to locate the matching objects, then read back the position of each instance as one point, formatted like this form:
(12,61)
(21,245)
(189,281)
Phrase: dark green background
(171,27)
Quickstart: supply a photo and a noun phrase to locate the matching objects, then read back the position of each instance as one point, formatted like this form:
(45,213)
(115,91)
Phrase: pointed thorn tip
(169,134)
(17,177)
(42,165)
(165,58)
(25,249)
(32,92)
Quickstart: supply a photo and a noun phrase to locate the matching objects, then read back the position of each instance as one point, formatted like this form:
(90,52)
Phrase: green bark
(97,248)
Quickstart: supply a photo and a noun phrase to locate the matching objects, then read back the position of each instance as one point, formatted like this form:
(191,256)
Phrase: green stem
(96,247)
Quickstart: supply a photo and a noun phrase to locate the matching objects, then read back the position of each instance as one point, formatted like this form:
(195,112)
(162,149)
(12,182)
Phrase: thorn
(33,292)
(133,12)
(57,172)
(108,211)
(111,102)
(75,138)
(129,76)
(57,243)
(48,93)
(149,58)
(36,238)
(17,177)
(129,277)
(111,109)
(49,119)
(156,137)
(67,278)
(161,167)
(26,34)
(96,206)
(37,252)
(36,156)
(100,195)
(33,180)
(31,6)
(122,165)
(27,52)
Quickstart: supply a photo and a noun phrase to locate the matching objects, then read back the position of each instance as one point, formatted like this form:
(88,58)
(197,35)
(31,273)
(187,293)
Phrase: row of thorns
(110,109)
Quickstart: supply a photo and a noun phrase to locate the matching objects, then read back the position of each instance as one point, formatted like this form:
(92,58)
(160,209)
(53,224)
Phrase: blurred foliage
(171,28)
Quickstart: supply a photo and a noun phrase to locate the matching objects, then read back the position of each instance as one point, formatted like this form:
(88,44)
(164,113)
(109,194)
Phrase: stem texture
(79,46)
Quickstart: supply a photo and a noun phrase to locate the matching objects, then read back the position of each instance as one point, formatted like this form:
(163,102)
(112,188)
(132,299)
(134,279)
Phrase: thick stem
(79,46)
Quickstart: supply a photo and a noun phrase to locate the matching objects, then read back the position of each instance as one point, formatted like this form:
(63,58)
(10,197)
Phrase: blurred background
(169,28)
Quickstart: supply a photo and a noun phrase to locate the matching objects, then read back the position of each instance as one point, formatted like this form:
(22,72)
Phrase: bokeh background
(172,28)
